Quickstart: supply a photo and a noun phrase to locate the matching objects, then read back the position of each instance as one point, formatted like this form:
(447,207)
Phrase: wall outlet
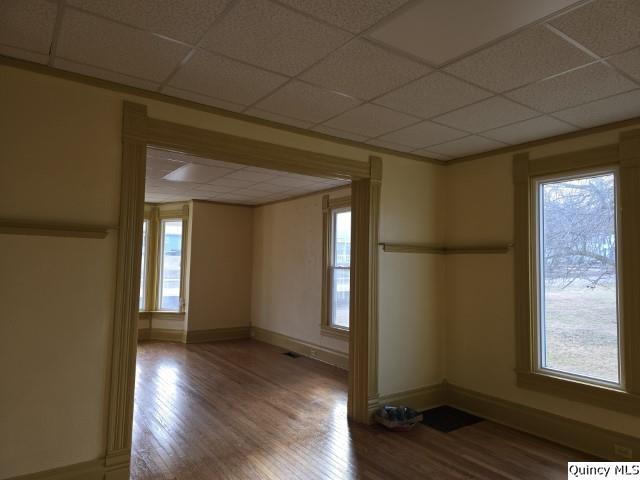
(622,451)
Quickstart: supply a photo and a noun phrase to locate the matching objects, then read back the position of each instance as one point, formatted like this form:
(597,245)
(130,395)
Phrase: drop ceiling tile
(390,145)
(213,189)
(163,163)
(441,30)
(526,57)
(192,172)
(245,174)
(423,134)
(491,113)
(364,70)
(428,153)
(27,24)
(307,102)
(628,62)
(339,133)
(573,88)
(96,72)
(606,110)
(354,15)
(534,129)
(604,26)
(23,54)
(251,193)
(231,182)
(94,41)
(370,120)
(226,79)
(466,146)
(272,188)
(270,36)
(186,20)
(290,181)
(203,99)
(274,117)
(432,95)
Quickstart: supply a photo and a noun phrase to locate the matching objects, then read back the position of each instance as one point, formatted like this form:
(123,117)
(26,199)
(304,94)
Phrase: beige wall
(479,288)
(219,273)
(287,279)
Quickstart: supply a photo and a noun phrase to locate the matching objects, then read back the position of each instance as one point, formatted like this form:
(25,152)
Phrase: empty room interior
(298,239)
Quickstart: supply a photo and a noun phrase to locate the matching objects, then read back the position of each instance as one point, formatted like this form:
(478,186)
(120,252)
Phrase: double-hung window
(577,273)
(337,265)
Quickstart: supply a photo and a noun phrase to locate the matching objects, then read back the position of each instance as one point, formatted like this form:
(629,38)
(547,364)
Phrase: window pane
(143,265)
(171,264)
(340,297)
(578,277)
(342,239)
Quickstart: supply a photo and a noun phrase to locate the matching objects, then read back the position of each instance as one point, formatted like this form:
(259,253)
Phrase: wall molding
(419,399)
(565,431)
(217,334)
(92,470)
(161,335)
(307,349)
(446,250)
(52,229)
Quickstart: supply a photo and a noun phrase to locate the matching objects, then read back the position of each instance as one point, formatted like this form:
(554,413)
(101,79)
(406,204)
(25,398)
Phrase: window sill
(600,396)
(159,313)
(334,332)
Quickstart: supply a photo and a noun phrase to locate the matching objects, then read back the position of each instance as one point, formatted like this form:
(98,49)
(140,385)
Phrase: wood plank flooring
(242,410)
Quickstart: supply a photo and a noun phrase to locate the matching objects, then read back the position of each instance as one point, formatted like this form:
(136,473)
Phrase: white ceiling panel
(352,15)
(628,62)
(193,172)
(270,36)
(428,153)
(339,133)
(390,145)
(96,72)
(534,129)
(466,146)
(370,120)
(307,102)
(574,88)
(84,38)
(232,182)
(432,95)
(487,114)
(245,174)
(520,59)
(24,54)
(604,26)
(275,117)
(363,70)
(226,79)
(423,134)
(441,30)
(203,99)
(186,20)
(611,109)
(27,24)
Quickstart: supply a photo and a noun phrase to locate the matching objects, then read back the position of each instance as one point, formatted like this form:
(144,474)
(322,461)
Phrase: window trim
(329,206)
(144,271)
(625,158)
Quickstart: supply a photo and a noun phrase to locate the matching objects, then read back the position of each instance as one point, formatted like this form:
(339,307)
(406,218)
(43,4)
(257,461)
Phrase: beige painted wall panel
(220,239)
(55,327)
(287,279)
(480,348)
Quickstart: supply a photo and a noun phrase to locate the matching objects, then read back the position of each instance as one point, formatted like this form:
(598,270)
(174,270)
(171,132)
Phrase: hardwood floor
(242,410)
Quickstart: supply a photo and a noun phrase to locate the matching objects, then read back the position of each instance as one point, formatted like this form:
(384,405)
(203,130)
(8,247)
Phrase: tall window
(170,264)
(577,277)
(337,265)
(143,265)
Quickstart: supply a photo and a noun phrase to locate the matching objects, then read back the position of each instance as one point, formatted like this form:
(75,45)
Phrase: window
(143,264)
(170,264)
(577,277)
(577,274)
(337,265)
(163,258)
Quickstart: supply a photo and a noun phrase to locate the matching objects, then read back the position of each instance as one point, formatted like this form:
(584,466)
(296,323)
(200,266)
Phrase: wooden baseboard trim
(92,470)
(307,349)
(571,433)
(217,334)
(419,399)
(161,335)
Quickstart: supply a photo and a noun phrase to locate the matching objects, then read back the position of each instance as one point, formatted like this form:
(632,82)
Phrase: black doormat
(447,419)
(291,354)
